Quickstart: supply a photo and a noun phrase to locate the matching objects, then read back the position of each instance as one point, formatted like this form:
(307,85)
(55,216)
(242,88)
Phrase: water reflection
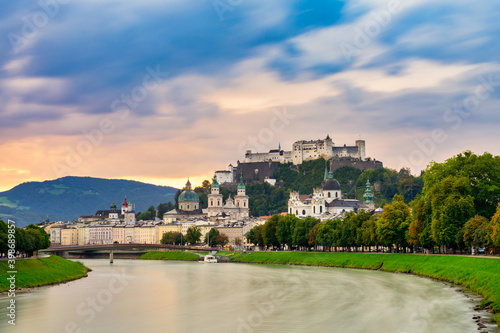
(145,296)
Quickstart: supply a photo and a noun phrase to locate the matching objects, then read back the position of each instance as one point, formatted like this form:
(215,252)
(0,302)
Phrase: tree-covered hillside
(265,199)
(69,197)
(385,182)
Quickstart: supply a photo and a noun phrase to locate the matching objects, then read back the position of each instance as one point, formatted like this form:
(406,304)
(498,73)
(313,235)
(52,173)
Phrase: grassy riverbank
(42,271)
(169,255)
(480,275)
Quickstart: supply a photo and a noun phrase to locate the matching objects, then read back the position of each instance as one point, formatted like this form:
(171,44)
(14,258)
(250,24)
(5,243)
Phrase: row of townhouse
(102,234)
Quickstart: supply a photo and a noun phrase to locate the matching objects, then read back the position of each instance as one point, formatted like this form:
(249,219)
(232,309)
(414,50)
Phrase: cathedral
(189,206)
(325,202)
(235,209)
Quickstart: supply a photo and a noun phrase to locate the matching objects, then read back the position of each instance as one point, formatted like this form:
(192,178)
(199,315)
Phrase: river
(158,296)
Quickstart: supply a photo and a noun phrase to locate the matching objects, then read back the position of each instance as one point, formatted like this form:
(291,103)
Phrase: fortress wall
(256,171)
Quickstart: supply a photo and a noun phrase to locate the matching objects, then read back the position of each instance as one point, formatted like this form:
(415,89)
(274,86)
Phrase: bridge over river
(63,250)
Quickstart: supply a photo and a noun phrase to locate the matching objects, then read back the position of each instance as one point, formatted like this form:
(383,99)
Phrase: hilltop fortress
(261,167)
(309,150)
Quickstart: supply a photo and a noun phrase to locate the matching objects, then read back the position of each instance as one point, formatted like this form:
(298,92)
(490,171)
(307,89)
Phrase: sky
(161,90)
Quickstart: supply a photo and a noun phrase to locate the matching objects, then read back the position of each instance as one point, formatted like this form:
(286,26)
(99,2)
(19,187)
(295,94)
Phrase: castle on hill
(309,150)
(260,167)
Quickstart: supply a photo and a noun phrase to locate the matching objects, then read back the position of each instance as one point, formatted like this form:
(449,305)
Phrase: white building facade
(309,150)
(325,202)
(236,209)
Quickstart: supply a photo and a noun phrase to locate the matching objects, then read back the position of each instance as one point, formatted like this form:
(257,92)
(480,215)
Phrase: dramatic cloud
(162,90)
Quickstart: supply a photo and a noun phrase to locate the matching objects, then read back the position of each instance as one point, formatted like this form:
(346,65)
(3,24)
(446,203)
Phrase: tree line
(458,208)
(194,236)
(27,240)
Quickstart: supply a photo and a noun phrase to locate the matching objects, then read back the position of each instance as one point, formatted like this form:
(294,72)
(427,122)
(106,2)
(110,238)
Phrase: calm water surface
(155,296)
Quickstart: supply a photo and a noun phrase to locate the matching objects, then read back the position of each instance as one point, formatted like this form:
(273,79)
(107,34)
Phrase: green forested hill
(309,175)
(69,197)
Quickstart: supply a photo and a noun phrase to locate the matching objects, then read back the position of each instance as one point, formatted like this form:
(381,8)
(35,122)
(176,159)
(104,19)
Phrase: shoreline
(457,271)
(32,273)
(482,313)
(479,313)
(476,278)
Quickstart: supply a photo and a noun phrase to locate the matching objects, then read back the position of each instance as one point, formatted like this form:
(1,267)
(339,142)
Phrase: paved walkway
(34,257)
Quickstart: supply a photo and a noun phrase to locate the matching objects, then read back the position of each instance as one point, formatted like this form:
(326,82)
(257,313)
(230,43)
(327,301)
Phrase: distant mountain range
(68,198)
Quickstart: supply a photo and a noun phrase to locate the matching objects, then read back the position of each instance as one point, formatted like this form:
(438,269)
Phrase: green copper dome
(188,196)
(214,183)
(241,185)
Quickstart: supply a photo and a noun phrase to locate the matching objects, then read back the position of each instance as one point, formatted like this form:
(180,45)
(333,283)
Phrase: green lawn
(480,275)
(42,271)
(225,253)
(169,255)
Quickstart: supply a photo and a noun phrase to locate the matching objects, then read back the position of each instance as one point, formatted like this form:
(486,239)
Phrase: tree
(284,229)
(347,176)
(473,231)
(368,232)
(420,232)
(202,192)
(494,232)
(222,240)
(41,235)
(3,237)
(210,237)
(326,233)
(393,224)
(164,207)
(193,235)
(171,237)
(176,198)
(302,230)
(149,214)
(312,235)
(482,173)
(238,241)
(206,185)
(269,231)
(254,236)
(452,206)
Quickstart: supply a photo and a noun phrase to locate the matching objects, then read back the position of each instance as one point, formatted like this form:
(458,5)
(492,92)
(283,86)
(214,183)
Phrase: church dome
(330,184)
(188,194)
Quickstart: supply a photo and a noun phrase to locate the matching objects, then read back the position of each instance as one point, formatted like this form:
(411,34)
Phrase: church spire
(215,183)
(326,171)
(368,196)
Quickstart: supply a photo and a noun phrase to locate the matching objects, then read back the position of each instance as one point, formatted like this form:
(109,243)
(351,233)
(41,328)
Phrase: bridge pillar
(110,256)
(62,254)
